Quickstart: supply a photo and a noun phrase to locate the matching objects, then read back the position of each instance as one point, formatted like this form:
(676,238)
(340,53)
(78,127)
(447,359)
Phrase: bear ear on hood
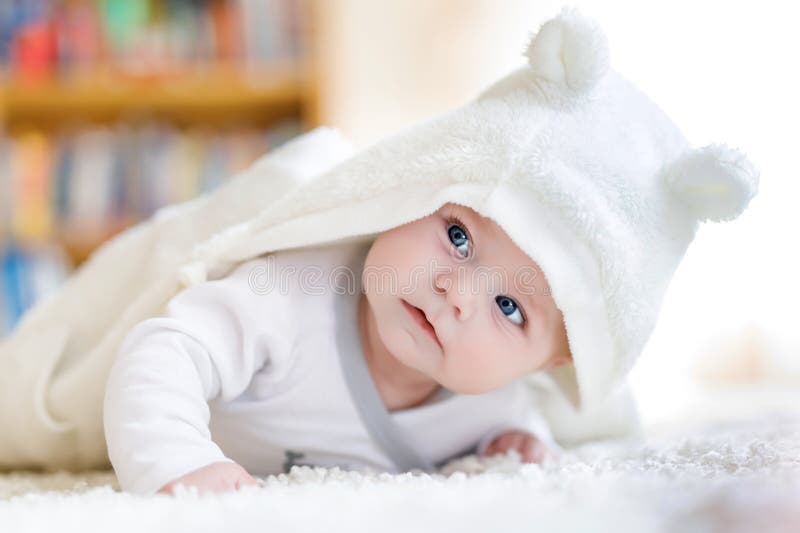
(714,182)
(566,58)
(568,55)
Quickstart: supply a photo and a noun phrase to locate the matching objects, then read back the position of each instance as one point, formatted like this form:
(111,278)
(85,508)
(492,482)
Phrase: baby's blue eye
(510,309)
(458,237)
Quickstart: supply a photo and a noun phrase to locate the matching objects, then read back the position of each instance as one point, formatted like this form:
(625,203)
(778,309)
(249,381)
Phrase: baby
(562,182)
(444,345)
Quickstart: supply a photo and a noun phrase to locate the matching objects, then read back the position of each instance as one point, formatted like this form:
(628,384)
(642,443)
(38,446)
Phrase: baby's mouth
(419,317)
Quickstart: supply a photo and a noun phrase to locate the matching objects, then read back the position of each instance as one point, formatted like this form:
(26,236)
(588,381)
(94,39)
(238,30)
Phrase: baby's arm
(211,341)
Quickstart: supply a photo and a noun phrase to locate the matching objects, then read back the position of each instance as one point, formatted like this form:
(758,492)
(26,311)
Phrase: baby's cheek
(470,374)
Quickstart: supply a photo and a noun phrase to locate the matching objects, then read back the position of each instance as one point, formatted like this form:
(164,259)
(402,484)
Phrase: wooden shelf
(213,96)
(80,242)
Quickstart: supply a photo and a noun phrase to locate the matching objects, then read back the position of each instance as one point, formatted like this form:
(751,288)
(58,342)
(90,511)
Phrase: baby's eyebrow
(475,224)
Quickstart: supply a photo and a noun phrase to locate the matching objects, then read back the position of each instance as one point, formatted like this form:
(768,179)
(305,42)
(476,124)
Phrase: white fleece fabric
(245,369)
(579,167)
(737,477)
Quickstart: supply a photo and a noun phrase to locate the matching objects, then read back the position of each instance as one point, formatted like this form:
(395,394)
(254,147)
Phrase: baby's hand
(531,449)
(217,477)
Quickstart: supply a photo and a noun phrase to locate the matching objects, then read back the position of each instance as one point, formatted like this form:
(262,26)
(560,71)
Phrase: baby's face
(456,299)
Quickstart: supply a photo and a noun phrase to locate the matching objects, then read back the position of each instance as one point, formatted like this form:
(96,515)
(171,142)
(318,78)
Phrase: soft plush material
(733,478)
(584,173)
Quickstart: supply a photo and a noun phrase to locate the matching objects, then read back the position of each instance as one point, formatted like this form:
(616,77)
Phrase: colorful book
(31,169)
(28,274)
(90,191)
(16,297)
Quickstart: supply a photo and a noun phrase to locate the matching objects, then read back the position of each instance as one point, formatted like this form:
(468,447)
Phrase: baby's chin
(469,385)
(468,389)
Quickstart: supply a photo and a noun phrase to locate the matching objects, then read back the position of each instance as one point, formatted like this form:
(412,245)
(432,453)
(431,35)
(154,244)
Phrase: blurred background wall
(113,108)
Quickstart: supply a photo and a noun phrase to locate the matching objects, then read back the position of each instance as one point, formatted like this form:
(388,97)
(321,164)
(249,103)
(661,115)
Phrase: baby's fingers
(533,451)
(244,481)
(511,441)
(504,443)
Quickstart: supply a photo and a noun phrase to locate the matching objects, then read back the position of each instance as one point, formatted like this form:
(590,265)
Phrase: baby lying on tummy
(241,376)
(483,281)
(442,235)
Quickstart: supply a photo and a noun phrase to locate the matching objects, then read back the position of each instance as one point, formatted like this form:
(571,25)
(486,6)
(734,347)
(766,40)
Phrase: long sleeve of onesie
(156,412)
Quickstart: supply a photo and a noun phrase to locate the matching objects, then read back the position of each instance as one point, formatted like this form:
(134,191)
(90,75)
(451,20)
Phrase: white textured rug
(735,477)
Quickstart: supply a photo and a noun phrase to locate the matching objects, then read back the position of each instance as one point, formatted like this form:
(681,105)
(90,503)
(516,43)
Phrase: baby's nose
(459,293)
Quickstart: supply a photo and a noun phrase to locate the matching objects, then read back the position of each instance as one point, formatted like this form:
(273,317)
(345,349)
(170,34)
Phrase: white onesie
(264,367)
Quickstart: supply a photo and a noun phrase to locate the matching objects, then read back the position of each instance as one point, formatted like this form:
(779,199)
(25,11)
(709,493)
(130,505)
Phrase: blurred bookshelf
(112,109)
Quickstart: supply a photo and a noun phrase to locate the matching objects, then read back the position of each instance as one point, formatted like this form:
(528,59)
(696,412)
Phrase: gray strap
(365,395)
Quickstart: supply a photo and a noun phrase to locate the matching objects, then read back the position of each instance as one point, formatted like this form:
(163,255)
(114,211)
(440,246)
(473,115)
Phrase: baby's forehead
(507,254)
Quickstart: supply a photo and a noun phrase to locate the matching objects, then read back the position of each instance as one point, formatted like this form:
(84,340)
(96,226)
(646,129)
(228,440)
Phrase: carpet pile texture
(733,477)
